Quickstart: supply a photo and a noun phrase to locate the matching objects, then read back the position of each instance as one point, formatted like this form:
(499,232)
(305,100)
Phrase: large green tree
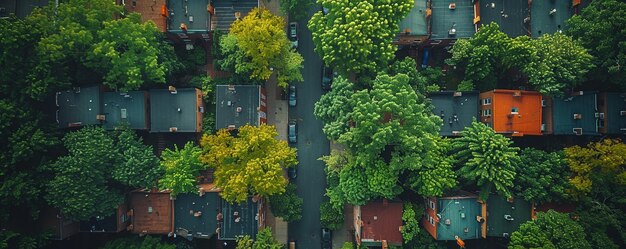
(182,168)
(333,108)
(486,159)
(355,36)
(604,225)
(287,205)
(528,236)
(541,176)
(139,167)
(561,230)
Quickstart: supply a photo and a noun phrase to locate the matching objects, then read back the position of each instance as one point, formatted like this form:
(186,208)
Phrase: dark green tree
(528,236)
(603,224)
(265,240)
(295,9)
(331,217)
(334,108)
(147,242)
(541,176)
(139,167)
(288,205)
(562,231)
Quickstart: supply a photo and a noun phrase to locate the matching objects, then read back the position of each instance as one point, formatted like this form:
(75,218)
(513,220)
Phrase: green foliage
(347,245)
(355,36)
(465,85)
(182,167)
(244,242)
(295,9)
(529,235)
(333,108)
(562,231)
(288,205)
(11,239)
(139,167)
(423,240)
(410,220)
(331,217)
(265,240)
(486,158)
(135,242)
(603,225)
(542,176)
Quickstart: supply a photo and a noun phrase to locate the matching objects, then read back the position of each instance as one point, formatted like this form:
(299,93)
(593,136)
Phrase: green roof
(457,112)
(416,19)
(616,103)
(508,14)
(543,19)
(194,14)
(503,217)
(168,110)
(248,222)
(129,108)
(236,105)
(564,110)
(78,106)
(461,211)
(444,18)
(186,222)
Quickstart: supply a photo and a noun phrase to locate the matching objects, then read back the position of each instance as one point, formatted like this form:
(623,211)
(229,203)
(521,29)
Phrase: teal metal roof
(173,110)
(503,217)
(193,13)
(186,221)
(508,14)
(564,110)
(461,212)
(457,112)
(78,106)
(444,18)
(416,19)
(545,20)
(616,103)
(125,108)
(248,222)
(236,105)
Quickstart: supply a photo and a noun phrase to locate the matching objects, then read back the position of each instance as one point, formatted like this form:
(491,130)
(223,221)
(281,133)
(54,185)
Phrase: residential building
(150,10)
(239,105)
(548,17)
(114,223)
(176,110)
(457,216)
(612,113)
(452,19)
(60,227)
(151,212)
(79,106)
(129,109)
(195,214)
(575,114)
(511,112)
(504,216)
(227,11)
(19,8)
(239,219)
(188,20)
(513,16)
(414,27)
(456,109)
(378,223)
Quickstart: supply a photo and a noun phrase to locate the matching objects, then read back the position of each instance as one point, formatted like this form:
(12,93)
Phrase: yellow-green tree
(250,163)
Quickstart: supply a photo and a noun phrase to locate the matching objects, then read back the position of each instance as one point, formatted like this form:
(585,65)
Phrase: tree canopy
(333,108)
(182,168)
(529,235)
(541,176)
(288,205)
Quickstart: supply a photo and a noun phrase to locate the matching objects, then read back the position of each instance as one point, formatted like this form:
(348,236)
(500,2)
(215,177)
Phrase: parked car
(293,34)
(327,78)
(292,172)
(327,238)
(292,132)
(292,95)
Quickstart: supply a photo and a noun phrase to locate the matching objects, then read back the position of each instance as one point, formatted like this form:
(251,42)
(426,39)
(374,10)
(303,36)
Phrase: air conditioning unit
(456,133)
(622,113)
(578,116)
(577,93)
(123,113)
(599,115)
(458,94)
(172,89)
(578,131)
(100,117)
(173,129)
(543,127)
(508,217)
(517,93)
(448,222)
(505,235)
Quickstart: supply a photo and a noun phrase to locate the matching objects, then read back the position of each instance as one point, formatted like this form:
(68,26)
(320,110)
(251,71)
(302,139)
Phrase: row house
(378,223)
(239,105)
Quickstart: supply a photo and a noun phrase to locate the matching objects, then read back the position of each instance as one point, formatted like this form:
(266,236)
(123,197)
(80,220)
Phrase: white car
(293,34)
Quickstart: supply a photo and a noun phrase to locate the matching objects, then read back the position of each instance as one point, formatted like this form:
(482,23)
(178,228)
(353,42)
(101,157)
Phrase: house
(53,221)
(153,10)
(452,19)
(414,27)
(456,109)
(575,114)
(151,212)
(114,223)
(226,12)
(548,17)
(378,223)
(129,108)
(241,219)
(239,105)
(460,215)
(195,215)
(511,112)
(19,8)
(504,216)
(79,106)
(188,20)
(513,16)
(176,110)
(612,113)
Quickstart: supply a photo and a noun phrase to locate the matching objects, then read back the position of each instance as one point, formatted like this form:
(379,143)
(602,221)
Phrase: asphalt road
(312,144)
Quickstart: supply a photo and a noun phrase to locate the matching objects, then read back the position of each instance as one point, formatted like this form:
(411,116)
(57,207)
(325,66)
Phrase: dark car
(327,238)
(292,95)
(292,131)
(327,78)
(293,34)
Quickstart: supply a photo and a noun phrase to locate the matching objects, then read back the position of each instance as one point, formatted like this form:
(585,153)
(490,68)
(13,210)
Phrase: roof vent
(508,217)
(172,90)
(239,109)
(578,116)
(101,118)
(578,131)
(231,127)
(173,129)
(517,93)
(458,94)
(622,113)
(456,133)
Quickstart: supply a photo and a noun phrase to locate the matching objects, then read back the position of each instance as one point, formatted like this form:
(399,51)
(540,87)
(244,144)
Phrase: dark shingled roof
(499,209)
(564,109)
(508,14)
(444,18)
(236,105)
(129,108)
(248,223)
(464,107)
(193,13)
(78,106)
(542,22)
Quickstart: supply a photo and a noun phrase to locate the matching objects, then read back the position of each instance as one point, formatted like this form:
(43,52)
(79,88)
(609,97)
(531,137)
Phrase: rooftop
(614,105)
(21,8)
(508,14)
(149,10)
(129,108)
(225,12)
(179,110)
(456,109)
(116,222)
(195,215)
(381,220)
(458,217)
(238,219)
(575,112)
(193,14)
(237,106)
(415,21)
(78,106)
(152,212)
(444,19)
(504,217)
(548,17)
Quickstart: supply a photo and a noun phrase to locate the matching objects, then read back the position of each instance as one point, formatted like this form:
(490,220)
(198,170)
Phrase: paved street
(312,144)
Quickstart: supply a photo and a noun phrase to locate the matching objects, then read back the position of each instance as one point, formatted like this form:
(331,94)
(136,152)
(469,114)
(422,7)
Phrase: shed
(511,112)
(151,212)
(414,27)
(456,109)
(195,215)
(575,114)
(513,16)
(189,19)
(505,216)
(154,10)
(79,106)
(239,105)
(378,222)
(238,219)
(176,110)
(225,11)
(126,108)
(612,113)
(456,214)
(452,19)
(548,17)
(114,223)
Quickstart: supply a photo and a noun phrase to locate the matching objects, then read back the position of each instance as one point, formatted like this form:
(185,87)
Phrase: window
(431,204)
(514,110)
(487,101)
(487,112)
(123,218)
(431,220)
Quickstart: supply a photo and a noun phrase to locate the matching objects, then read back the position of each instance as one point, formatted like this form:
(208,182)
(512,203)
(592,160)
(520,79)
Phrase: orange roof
(152,212)
(149,10)
(513,112)
(381,220)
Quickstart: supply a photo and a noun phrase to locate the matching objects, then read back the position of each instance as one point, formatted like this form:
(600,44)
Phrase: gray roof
(444,18)
(416,19)
(615,104)
(193,13)
(237,105)
(129,108)
(564,109)
(543,22)
(248,223)
(447,106)
(508,14)
(225,12)
(78,106)
(187,222)
(178,110)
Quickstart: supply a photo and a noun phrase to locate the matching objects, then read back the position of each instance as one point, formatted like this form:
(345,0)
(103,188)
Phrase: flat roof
(381,221)
(178,110)
(149,10)
(194,14)
(508,14)
(152,212)
(505,217)
(616,103)
(416,19)
(78,106)
(129,108)
(444,18)
(564,109)
(239,219)
(225,11)
(195,215)
(236,105)
(456,109)
(460,214)
(543,18)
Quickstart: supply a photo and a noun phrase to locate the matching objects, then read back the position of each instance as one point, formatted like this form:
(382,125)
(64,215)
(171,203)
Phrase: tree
(486,158)
(265,240)
(347,245)
(410,221)
(250,163)
(423,240)
(331,217)
(334,109)
(288,205)
(295,9)
(561,64)
(244,242)
(541,176)
(182,167)
(529,235)
(355,36)
(562,231)
(147,242)
(139,167)
(603,224)
(421,81)
(600,28)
